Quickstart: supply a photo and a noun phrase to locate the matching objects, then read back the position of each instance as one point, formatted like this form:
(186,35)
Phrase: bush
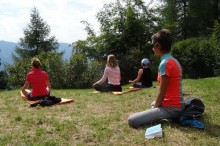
(3,80)
(53,64)
(75,70)
(82,73)
(16,73)
(199,57)
(93,73)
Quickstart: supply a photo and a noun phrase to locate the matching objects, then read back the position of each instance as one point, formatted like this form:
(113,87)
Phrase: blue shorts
(140,86)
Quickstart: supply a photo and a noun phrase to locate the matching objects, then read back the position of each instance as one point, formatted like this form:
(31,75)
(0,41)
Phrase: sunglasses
(154,44)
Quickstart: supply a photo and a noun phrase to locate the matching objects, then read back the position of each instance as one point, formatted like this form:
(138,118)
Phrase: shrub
(93,73)
(53,64)
(3,81)
(198,57)
(82,73)
(16,73)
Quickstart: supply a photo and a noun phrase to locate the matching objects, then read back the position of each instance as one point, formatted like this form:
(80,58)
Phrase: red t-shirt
(38,79)
(170,67)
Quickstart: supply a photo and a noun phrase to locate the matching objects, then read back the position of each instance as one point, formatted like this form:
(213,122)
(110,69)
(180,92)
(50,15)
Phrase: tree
(216,9)
(53,64)
(36,43)
(172,17)
(36,38)
(126,27)
(185,18)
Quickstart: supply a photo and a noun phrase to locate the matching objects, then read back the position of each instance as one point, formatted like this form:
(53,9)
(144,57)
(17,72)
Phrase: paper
(152,132)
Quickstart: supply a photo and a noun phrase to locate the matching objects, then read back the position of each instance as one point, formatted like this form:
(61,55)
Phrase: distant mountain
(67,50)
(7,48)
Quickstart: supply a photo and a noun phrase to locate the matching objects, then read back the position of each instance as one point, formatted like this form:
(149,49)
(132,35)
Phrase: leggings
(37,97)
(141,86)
(107,88)
(153,115)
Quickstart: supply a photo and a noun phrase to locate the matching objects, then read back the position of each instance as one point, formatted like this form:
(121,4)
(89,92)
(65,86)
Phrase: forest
(126,27)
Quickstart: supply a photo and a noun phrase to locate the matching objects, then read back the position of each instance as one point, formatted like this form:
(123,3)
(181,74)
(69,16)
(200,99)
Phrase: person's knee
(132,122)
(97,87)
(135,85)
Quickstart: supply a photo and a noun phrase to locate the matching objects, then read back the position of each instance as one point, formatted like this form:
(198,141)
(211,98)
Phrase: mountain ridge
(7,48)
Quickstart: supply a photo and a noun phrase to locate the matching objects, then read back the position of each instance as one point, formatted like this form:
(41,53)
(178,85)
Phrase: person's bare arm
(140,72)
(103,79)
(48,86)
(162,91)
(26,86)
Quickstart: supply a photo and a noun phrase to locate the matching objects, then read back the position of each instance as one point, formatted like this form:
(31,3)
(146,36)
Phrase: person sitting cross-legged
(39,81)
(169,103)
(144,75)
(113,74)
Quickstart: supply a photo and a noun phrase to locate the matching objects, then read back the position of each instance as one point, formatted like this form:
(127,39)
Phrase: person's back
(171,67)
(114,75)
(146,78)
(39,81)
(38,78)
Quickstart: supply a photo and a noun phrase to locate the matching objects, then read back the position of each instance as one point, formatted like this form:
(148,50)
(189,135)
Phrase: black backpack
(51,100)
(194,108)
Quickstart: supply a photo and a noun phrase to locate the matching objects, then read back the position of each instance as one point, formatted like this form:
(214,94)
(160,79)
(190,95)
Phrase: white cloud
(63,17)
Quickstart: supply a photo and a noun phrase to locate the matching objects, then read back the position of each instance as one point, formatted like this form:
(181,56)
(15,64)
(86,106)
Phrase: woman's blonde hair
(36,63)
(111,61)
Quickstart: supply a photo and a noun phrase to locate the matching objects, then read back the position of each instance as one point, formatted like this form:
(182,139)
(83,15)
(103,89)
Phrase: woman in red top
(38,79)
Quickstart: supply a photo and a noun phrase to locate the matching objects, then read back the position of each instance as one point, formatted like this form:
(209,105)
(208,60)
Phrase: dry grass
(101,119)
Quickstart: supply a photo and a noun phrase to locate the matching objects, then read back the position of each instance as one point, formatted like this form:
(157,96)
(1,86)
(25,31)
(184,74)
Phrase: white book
(152,132)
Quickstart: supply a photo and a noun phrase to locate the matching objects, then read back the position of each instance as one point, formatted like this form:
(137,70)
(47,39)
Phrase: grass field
(101,119)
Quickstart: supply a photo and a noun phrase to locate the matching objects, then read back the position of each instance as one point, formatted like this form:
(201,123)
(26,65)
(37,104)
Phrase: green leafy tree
(36,38)
(125,30)
(55,67)
(216,9)
(197,12)
(124,27)
(75,71)
(36,43)
(216,32)
(17,72)
(172,17)
(185,18)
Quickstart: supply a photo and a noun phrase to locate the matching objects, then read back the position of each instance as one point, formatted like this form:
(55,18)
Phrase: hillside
(101,119)
(7,48)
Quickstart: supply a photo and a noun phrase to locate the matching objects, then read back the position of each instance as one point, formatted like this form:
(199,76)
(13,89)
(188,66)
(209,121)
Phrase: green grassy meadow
(101,119)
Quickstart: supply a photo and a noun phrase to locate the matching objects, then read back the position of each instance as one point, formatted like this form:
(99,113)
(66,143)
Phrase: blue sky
(63,17)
